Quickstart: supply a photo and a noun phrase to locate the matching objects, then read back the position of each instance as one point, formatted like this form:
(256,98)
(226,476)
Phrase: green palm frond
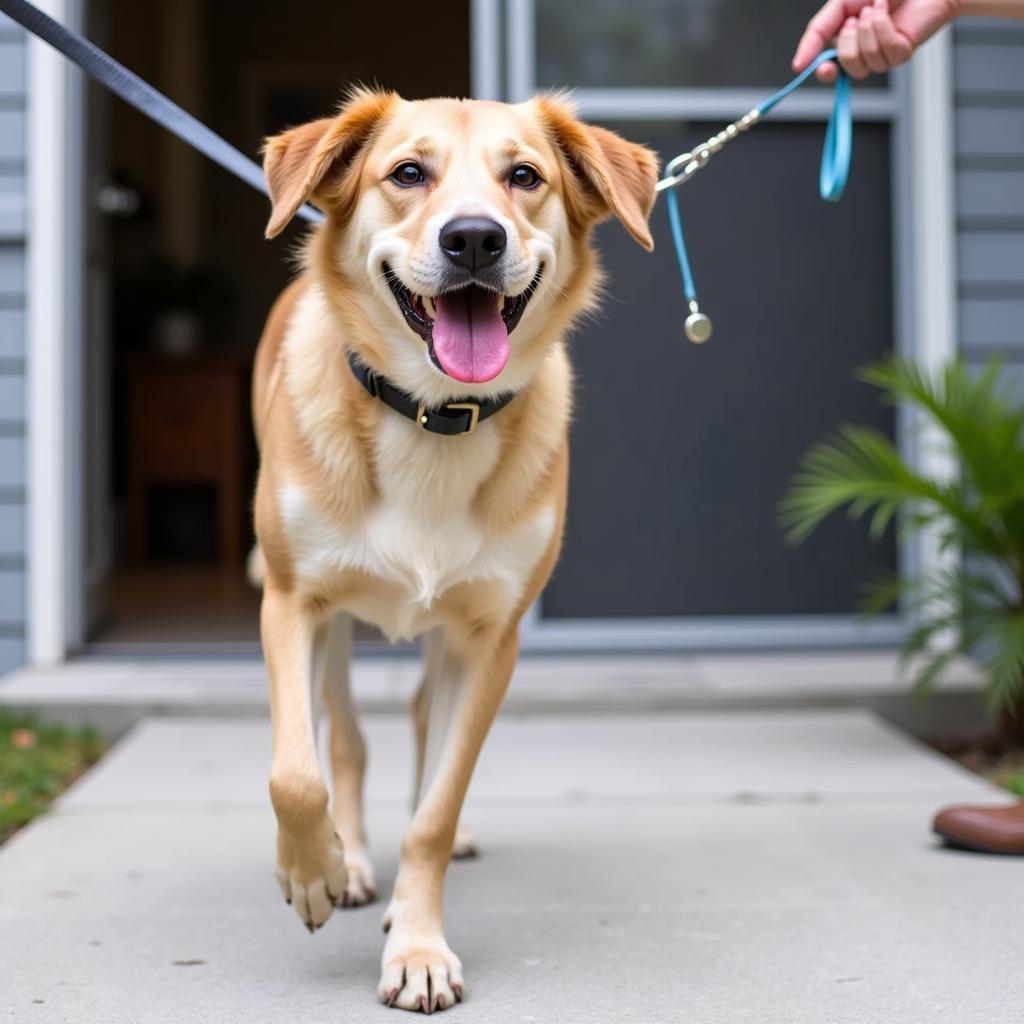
(928,672)
(861,469)
(1000,651)
(984,428)
(976,605)
(885,589)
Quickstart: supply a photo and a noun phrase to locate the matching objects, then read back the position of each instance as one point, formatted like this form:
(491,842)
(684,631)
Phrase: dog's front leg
(418,969)
(310,859)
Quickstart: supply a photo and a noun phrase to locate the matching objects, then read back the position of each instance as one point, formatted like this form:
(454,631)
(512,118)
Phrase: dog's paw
(361,887)
(419,973)
(465,847)
(311,872)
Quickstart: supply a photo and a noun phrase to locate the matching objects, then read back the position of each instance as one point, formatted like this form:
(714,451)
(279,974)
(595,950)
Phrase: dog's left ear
(605,173)
(312,161)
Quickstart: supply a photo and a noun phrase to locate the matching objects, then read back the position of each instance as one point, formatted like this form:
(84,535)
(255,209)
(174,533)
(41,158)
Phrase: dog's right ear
(313,161)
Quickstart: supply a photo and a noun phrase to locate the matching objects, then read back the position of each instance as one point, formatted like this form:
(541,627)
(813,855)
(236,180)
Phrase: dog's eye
(524,176)
(408,174)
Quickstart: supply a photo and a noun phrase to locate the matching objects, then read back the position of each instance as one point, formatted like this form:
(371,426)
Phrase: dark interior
(191,278)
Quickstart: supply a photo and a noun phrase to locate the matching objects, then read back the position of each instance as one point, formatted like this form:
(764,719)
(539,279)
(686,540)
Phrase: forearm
(992,8)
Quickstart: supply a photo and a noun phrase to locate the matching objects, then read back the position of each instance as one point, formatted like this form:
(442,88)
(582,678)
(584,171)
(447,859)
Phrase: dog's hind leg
(432,709)
(419,971)
(348,762)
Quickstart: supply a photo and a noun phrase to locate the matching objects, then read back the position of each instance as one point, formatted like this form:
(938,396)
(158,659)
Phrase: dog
(411,398)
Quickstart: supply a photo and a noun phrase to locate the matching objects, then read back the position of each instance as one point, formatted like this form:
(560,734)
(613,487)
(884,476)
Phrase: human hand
(871,35)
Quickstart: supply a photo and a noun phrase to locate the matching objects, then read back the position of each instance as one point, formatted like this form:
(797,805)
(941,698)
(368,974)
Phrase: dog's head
(456,235)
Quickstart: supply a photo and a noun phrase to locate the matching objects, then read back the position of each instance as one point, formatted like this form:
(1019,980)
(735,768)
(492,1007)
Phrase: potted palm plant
(973,605)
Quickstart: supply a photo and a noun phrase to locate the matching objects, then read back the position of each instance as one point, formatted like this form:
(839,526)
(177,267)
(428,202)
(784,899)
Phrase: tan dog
(454,257)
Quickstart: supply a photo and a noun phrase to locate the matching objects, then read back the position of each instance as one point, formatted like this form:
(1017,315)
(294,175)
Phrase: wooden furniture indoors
(187,423)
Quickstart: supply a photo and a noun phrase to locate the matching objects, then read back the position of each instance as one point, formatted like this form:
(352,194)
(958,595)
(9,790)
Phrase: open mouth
(466,330)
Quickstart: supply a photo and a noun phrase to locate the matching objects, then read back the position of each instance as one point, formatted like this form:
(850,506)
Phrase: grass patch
(38,762)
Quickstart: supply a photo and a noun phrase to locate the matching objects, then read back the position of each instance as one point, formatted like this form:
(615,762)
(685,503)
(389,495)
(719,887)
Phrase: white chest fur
(422,536)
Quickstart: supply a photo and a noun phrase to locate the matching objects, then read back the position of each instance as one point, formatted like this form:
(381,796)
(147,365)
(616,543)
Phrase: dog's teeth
(430,306)
(501,303)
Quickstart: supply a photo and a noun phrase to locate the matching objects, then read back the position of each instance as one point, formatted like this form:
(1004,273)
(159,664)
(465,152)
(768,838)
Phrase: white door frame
(54,337)
(925,294)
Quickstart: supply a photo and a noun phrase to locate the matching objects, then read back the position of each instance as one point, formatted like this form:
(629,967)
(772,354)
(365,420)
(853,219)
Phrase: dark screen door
(680,453)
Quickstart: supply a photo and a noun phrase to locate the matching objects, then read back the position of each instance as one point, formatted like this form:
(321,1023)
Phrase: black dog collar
(451,419)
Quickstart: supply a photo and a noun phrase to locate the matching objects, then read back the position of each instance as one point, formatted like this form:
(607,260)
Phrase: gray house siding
(989,118)
(12,345)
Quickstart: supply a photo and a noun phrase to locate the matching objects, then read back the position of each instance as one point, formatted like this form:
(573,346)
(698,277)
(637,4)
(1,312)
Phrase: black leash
(141,95)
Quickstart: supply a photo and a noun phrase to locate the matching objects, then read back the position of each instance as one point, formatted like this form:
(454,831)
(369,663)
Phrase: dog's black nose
(473,242)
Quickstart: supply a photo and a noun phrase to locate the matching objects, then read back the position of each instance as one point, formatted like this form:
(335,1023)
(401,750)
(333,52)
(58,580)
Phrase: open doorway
(180,281)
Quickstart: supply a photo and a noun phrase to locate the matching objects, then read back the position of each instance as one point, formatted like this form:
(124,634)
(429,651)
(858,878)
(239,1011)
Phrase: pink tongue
(470,339)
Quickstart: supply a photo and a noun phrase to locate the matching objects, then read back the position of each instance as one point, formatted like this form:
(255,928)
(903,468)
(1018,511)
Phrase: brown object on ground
(983,829)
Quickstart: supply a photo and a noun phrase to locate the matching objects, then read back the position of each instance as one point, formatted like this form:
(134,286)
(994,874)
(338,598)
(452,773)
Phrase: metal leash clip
(697,326)
(835,167)
(693,160)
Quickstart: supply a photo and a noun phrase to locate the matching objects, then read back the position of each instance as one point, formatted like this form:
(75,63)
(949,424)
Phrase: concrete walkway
(698,868)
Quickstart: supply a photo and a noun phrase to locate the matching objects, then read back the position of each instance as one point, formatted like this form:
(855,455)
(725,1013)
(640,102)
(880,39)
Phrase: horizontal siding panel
(12,399)
(997,31)
(990,131)
(991,256)
(12,135)
(1012,376)
(12,466)
(12,272)
(12,596)
(12,333)
(12,68)
(12,529)
(992,322)
(12,217)
(12,653)
(10,29)
(12,178)
(984,68)
(997,193)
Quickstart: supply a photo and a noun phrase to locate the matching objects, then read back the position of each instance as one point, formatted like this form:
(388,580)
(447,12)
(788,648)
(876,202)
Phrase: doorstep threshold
(115,691)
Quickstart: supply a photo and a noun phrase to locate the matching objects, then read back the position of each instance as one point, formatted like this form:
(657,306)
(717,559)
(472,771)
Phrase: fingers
(896,48)
(848,45)
(871,43)
(827,72)
(868,40)
(820,29)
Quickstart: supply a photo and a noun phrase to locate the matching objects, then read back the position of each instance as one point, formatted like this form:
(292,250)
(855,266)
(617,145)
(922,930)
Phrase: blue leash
(832,178)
